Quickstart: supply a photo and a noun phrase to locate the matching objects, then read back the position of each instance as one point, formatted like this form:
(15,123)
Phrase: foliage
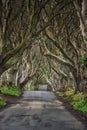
(2,102)
(77,97)
(78,101)
(85,37)
(83,60)
(12,90)
(80,105)
(69,93)
(61,94)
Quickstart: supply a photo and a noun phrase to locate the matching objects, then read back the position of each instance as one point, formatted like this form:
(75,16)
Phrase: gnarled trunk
(77,78)
(81,7)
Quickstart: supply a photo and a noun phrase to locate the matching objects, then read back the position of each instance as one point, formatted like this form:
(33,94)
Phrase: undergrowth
(11,90)
(2,102)
(78,101)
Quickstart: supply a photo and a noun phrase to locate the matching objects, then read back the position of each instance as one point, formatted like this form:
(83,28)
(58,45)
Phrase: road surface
(38,110)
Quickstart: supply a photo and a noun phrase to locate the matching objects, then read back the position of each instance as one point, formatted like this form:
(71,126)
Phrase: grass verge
(78,101)
(12,90)
(2,102)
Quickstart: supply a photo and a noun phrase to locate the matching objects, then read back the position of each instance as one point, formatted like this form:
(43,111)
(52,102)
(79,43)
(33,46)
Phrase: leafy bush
(2,102)
(83,60)
(78,97)
(12,90)
(69,93)
(78,101)
(61,94)
(80,105)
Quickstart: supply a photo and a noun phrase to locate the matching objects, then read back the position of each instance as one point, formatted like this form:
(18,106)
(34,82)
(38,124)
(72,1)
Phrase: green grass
(78,101)
(77,97)
(2,102)
(61,94)
(69,93)
(13,91)
(80,105)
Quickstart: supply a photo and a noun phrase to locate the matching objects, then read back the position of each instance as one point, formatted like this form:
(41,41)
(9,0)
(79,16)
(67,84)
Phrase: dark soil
(78,114)
(10,101)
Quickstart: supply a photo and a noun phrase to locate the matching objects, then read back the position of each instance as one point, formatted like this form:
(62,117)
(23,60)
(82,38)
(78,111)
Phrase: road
(38,110)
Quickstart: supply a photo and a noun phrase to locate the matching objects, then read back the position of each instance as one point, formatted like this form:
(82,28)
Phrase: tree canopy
(43,40)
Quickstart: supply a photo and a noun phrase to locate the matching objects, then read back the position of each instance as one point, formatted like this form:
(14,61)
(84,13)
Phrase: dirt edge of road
(78,114)
(11,100)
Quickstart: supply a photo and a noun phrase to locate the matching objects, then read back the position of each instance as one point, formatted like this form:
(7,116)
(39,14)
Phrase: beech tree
(19,25)
(62,42)
(59,27)
(81,7)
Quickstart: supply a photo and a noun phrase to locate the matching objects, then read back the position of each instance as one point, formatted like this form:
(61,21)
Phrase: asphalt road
(38,110)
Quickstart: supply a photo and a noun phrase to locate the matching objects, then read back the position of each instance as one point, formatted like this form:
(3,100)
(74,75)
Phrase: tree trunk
(81,8)
(1,42)
(78,80)
(1,71)
(77,87)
